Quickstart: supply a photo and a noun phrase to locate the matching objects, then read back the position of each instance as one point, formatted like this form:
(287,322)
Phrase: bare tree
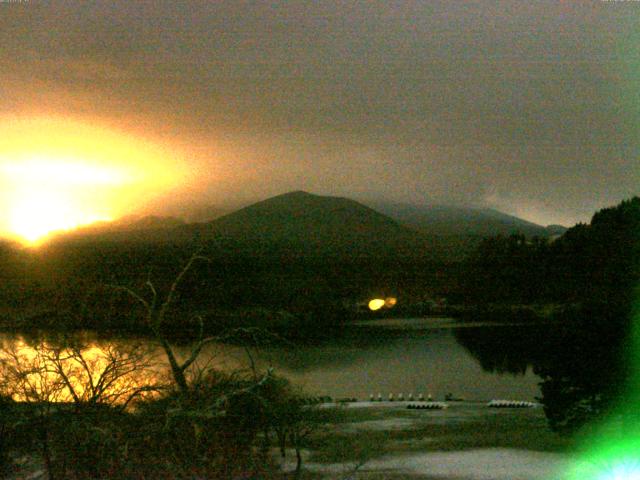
(28,376)
(85,375)
(155,316)
(156,309)
(49,377)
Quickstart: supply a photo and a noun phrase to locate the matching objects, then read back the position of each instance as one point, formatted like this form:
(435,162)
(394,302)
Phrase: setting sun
(45,196)
(61,175)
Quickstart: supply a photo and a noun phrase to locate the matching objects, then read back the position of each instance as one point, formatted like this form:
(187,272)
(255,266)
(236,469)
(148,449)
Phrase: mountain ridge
(310,222)
(450,220)
(300,216)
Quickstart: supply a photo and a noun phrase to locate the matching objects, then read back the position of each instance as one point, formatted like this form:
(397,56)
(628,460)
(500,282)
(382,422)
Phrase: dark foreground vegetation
(111,414)
(290,289)
(224,426)
(589,363)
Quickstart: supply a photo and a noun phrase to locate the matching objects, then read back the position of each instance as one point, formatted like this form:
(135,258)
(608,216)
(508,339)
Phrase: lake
(430,356)
(403,356)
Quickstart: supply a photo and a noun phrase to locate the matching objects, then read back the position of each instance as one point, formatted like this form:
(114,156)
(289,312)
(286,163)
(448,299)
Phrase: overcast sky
(531,107)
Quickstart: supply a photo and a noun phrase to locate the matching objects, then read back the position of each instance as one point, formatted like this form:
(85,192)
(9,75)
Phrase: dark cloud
(530,107)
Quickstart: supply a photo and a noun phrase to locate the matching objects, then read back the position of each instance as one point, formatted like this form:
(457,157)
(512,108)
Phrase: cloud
(444,101)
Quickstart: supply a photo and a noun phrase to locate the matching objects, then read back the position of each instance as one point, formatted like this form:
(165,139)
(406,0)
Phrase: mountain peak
(300,215)
(297,193)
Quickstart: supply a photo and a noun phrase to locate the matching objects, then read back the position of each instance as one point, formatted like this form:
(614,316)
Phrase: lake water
(403,356)
(430,356)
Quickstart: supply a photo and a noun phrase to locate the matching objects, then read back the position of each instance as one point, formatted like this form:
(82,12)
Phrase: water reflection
(507,349)
(435,360)
(581,361)
(77,371)
(574,366)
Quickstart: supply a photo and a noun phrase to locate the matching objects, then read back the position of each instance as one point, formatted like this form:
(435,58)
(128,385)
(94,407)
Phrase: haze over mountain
(455,220)
(322,222)
(126,228)
(526,107)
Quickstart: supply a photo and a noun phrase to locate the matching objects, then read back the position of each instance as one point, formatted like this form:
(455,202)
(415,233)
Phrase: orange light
(57,175)
(376,304)
(46,196)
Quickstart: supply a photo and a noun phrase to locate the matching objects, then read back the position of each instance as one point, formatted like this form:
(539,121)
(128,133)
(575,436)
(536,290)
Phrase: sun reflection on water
(110,374)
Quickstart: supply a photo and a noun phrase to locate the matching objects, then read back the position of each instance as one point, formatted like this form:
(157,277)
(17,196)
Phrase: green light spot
(624,470)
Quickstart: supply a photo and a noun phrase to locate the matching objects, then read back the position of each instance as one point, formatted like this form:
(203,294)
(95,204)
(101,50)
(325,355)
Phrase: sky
(529,107)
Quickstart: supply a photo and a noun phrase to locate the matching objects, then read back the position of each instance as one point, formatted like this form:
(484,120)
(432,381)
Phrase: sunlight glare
(62,173)
(58,174)
(46,196)
(39,214)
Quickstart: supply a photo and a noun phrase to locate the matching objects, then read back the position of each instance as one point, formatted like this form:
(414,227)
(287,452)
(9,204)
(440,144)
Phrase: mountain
(556,230)
(445,220)
(197,212)
(309,223)
(324,224)
(299,216)
(149,222)
(130,227)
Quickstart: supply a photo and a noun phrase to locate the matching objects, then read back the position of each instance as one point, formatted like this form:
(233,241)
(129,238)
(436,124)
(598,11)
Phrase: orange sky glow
(57,174)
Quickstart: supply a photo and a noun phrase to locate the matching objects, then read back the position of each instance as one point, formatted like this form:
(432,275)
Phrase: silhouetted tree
(594,269)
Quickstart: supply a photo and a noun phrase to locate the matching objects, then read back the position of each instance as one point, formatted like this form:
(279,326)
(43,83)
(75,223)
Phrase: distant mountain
(129,227)
(556,230)
(304,217)
(149,222)
(445,220)
(307,223)
(200,213)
